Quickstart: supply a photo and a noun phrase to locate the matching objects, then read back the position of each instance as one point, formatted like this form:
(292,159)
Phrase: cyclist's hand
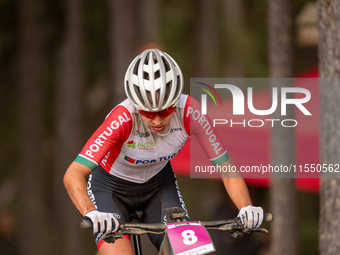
(251,216)
(102,222)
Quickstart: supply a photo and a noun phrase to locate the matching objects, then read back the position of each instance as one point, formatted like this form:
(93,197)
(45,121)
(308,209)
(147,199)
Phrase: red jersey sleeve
(108,138)
(201,127)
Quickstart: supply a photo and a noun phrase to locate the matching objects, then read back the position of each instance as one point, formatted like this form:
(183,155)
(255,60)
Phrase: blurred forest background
(62,65)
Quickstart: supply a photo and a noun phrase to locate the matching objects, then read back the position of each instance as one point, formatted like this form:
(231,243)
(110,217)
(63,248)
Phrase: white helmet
(150,73)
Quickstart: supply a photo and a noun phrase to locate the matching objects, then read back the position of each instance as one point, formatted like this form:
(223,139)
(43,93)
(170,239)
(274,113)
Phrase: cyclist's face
(158,124)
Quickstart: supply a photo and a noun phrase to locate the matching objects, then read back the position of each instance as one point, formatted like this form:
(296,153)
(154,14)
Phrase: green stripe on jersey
(84,161)
(220,160)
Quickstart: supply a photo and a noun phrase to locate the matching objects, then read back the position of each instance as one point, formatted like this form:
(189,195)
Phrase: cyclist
(127,157)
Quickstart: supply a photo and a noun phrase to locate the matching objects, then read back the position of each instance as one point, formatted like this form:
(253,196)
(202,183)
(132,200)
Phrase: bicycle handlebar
(267,217)
(142,228)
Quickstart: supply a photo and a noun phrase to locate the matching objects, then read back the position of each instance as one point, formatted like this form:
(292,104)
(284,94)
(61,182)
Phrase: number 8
(189,237)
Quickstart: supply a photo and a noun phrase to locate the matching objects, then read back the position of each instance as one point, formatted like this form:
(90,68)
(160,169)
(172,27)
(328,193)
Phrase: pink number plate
(189,238)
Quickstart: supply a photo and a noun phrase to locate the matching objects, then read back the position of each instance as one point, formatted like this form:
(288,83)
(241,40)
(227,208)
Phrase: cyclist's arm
(200,126)
(236,187)
(75,183)
(109,137)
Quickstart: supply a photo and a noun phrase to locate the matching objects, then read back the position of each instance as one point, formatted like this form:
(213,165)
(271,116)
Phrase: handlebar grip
(268,217)
(86,223)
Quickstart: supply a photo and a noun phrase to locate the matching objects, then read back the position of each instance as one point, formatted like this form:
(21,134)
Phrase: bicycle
(181,237)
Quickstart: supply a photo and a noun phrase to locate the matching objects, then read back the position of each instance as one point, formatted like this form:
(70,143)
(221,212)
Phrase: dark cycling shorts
(112,194)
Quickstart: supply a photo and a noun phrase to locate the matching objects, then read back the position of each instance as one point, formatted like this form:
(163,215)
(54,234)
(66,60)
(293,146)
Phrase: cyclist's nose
(157,120)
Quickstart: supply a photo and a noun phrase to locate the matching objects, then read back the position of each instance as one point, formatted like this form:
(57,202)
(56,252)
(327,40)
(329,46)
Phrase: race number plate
(189,238)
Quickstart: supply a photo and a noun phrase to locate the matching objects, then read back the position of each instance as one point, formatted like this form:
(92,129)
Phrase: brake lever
(250,230)
(237,232)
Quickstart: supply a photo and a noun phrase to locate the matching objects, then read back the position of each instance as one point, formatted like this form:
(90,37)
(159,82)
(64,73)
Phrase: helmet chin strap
(168,132)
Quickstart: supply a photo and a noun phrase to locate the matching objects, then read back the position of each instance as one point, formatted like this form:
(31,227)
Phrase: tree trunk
(207,39)
(329,68)
(150,21)
(34,219)
(234,13)
(123,39)
(282,193)
(69,118)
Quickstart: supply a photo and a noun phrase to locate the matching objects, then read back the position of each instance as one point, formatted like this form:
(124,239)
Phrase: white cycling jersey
(126,147)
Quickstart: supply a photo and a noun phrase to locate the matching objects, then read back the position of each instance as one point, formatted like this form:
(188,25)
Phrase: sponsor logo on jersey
(205,124)
(141,146)
(103,137)
(150,161)
(137,161)
(142,134)
(128,159)
(131,144)
(89,191)
(175,129)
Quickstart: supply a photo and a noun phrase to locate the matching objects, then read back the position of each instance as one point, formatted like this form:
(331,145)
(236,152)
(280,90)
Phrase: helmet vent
(167,90)
(139,95)
(155,61)
(135,69)
(146,60)
(146,76)
(157,74)
(129,93)
(166,64)
(178,87)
